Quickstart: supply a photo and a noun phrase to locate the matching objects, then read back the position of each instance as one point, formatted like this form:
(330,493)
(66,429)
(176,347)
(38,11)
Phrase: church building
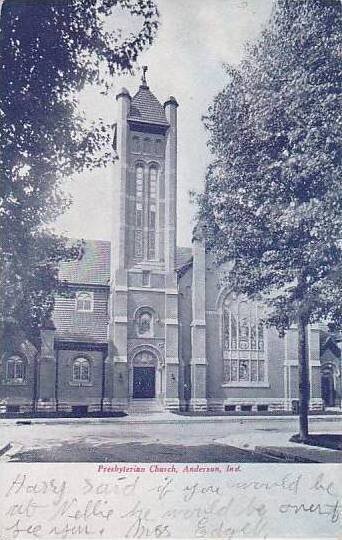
(146,325)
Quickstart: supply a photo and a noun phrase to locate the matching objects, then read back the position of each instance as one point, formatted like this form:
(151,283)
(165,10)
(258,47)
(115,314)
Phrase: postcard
(170,361)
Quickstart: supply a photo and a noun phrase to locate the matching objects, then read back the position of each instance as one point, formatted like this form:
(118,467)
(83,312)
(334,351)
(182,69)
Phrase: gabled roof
(145,107)
(93,268)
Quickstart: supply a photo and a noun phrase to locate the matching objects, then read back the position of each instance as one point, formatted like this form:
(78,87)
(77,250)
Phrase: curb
(280,454)
(5,448)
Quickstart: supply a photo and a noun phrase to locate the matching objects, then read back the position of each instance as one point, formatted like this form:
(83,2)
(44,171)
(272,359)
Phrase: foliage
(272,200)
(48,51)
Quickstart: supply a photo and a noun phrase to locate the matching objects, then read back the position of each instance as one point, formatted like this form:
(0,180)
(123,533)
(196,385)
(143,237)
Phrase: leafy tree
(49,50)
(272,200)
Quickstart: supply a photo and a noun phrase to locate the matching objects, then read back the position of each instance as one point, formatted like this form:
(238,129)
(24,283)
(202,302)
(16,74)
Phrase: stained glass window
(244,370)
(242,342)
(151,245)
(233,329)
(153,182)
(139,215)
(138,245)
(16,369)
(260,336)
(81,370)
(226,329)
(84,301)
(139,211)
(139,181)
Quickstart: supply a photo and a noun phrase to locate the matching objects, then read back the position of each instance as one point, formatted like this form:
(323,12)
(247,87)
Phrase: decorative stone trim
(80,384)
(171,403)
(272,403)
(107,405)
(198,404)
(172,360)
(120,359)
(121,319)
(171,291)
(247,384)
(173,322)
(315,363)
(198,361)
(120,288)
(119,405)
(316,404)
(146,289)
(198,323)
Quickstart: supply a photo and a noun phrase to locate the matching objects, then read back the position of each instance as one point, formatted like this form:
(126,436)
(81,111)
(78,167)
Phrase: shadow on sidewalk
(325,440)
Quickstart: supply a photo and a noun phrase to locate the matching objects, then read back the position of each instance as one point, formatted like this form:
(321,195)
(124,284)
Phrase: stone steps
(144,406)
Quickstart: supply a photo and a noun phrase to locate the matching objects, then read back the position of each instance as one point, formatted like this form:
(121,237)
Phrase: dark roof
(145,107)
(94,266)
(183,256)
(328,342)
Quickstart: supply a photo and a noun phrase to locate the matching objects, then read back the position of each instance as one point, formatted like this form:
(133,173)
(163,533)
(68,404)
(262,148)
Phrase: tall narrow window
(135,144)
(139,181)
(147,146)
(152,213)
(153,182)
(158,147)
(139,211)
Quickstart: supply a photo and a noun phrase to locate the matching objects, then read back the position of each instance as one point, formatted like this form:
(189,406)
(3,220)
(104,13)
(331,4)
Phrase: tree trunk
(303,379)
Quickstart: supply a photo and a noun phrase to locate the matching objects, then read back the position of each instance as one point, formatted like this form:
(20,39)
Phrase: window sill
(246,384)
(80,384)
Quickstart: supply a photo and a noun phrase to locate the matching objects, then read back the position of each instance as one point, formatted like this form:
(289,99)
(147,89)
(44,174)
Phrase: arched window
(16,369)
(84,301)
(145,191)
(144,323)
(243,342)
(139,211)
(81,370)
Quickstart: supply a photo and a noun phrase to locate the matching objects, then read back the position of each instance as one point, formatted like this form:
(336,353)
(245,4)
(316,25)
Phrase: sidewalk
(279,446)
(161,417)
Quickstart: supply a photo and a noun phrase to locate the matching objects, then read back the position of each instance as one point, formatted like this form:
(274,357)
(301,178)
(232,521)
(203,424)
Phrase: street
(163,439)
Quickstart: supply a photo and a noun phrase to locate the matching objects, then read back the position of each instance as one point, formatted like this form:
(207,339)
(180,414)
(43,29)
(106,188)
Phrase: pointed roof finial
(143,78)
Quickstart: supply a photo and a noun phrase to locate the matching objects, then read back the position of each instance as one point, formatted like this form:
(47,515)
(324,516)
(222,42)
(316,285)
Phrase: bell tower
(144,279)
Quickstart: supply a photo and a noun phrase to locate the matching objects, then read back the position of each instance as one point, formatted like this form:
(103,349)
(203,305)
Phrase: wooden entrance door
(144,382)
(328,389)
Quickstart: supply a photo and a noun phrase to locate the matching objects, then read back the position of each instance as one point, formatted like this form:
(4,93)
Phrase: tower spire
(143,78)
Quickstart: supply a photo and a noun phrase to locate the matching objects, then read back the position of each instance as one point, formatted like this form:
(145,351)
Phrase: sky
(195,39)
